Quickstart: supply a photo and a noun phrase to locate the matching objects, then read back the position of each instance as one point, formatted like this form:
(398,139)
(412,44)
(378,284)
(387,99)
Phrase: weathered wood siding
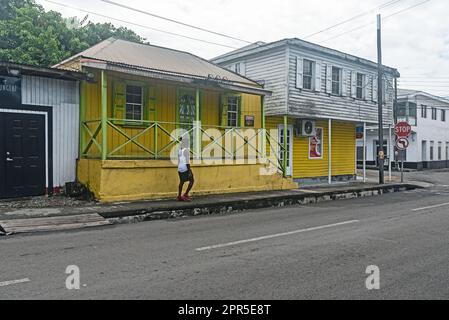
(269,68)
(320,104)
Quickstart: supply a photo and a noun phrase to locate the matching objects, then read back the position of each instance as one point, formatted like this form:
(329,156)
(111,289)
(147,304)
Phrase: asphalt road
(309,252)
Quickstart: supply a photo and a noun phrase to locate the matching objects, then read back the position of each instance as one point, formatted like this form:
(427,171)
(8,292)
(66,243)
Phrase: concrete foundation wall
(117,180)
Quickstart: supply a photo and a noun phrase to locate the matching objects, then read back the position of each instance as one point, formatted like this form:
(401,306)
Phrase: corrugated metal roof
(158,58)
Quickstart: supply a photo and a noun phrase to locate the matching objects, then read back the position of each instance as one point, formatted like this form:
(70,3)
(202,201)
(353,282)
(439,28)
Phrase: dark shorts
(185,176)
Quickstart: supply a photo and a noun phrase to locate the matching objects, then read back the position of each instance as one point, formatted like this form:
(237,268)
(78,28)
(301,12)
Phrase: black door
(22,155)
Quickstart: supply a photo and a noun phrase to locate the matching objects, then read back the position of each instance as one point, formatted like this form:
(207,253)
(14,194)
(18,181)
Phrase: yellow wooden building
(139,100)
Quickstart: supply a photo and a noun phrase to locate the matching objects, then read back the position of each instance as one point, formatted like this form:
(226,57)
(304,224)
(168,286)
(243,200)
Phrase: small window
(423,111)
(134,102)
(443,115)
(233,111)
(336,80)
(360,81)
(434,113)
(440,151)
(412,112)
(307,77)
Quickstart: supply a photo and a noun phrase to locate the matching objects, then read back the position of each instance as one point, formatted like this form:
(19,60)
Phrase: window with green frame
(231,110)
(132,101)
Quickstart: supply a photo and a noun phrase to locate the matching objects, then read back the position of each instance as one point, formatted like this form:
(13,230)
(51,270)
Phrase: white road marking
(432,207)
(7,283)
(228,244)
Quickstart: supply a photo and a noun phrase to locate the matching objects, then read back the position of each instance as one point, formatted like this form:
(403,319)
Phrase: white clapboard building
(429,140)
(39,129)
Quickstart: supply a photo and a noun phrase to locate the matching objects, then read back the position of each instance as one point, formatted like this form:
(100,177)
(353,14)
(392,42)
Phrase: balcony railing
(157,140)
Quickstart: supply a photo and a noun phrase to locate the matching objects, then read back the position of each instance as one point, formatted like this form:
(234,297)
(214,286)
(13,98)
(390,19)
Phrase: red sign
(402,129)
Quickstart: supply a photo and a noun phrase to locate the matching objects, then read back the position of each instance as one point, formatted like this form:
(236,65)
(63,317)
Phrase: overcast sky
(415,41)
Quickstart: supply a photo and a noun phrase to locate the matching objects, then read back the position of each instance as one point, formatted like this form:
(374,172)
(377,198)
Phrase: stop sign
(402,129)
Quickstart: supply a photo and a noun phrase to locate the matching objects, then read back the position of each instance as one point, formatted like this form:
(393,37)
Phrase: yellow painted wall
(116,180)
(343,150)
(164,101)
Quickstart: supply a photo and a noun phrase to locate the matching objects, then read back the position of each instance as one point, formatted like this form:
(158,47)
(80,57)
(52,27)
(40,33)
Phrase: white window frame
(357,87)
(312,75)
(236,112)
(340,82)
(133,104)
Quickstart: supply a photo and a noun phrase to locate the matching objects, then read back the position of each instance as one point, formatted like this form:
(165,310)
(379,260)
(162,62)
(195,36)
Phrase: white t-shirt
(182,160)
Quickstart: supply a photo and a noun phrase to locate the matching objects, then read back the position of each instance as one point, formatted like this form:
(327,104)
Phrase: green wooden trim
(197,119)
(104,115)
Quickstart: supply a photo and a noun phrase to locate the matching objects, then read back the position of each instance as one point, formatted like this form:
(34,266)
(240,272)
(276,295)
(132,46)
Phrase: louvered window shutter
(318,76)
(329,78)
(344,82)
(119,101)
(374,88)
(299,72)
(353,84)
(224,111)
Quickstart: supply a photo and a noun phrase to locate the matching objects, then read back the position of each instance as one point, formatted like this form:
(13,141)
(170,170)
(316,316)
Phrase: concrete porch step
(15,226)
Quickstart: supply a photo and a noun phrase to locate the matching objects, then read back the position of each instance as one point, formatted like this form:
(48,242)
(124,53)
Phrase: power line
(174,21)
(371,23)
(140,25)
(382,6)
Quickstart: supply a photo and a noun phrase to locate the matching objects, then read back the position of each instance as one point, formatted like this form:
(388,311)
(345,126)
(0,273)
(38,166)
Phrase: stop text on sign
(402,129)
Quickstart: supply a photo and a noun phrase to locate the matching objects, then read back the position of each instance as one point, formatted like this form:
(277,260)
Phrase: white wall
(63,97)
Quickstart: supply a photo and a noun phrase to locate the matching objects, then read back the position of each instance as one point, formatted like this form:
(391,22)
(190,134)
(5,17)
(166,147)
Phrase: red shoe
(180,198)
(186,196)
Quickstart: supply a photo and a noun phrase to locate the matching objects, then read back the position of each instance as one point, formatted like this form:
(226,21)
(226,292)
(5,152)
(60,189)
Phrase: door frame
(289,169)
(48,114)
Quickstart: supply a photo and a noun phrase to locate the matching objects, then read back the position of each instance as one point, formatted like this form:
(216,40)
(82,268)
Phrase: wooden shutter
(299,72)
(374,88)
(318,76)
(329,78)
(119,100)
(224,110)
(353,84)
(344,82)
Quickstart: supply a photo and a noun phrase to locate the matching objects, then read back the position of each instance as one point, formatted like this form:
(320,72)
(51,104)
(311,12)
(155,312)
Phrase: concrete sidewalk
(24,220)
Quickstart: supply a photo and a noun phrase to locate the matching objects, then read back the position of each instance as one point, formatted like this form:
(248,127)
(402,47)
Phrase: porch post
(104,115)
(198,126)
(329,151)
(285,144)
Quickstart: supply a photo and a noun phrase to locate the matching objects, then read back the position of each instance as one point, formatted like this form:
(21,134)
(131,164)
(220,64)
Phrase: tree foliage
(31,35)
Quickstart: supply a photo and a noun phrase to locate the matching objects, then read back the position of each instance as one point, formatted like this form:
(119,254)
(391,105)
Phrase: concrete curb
(232,206)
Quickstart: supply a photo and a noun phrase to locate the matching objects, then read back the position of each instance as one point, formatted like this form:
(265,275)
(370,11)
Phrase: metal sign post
(402,131)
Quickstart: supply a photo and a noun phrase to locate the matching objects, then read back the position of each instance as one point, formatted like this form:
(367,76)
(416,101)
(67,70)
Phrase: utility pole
(380,153)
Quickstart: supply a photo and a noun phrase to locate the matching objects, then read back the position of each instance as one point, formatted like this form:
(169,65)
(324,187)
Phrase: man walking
(184,170)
